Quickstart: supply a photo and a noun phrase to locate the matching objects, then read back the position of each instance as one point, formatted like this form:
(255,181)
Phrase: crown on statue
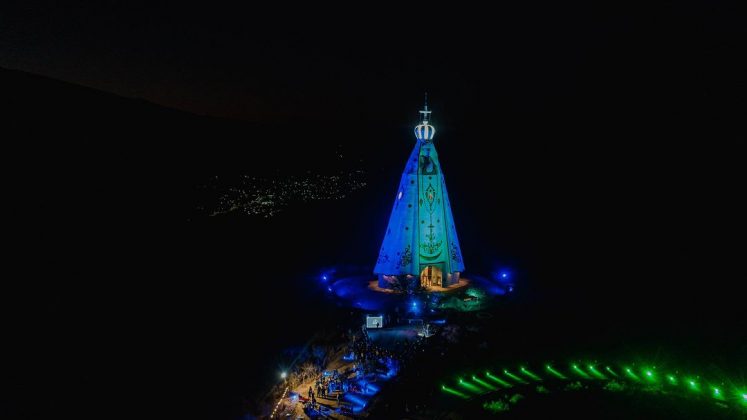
(424,131)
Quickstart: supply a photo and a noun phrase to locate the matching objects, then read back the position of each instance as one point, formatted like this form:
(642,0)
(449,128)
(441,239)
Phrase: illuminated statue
(420,244)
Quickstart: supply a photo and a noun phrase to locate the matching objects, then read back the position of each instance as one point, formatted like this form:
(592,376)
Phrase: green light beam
(555,372)
(646,377)
(514,377)
(528,373)
(483,383)
(596,373)
(470,387)
(631,374)
(650,375)
(448,390)
(693,385)
(498,380)
(580,372)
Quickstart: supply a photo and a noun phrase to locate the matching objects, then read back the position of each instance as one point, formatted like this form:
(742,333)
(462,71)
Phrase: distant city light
(268,196)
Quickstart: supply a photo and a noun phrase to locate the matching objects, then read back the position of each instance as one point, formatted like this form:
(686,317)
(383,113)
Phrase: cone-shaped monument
(420,243)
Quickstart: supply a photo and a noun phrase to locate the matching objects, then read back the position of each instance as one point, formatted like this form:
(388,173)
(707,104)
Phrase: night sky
(264,62)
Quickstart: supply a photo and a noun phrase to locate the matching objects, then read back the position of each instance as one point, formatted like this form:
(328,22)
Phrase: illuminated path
(576,376)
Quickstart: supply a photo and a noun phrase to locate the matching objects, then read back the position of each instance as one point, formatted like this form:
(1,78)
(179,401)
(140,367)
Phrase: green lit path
(610,377)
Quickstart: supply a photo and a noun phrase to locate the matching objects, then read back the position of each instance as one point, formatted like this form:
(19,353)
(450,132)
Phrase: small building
(374,321)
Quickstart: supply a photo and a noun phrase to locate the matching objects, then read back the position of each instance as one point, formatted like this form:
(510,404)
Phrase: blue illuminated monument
(420,244)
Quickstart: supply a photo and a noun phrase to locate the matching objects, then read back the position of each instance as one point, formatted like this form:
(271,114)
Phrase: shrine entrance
(432,275)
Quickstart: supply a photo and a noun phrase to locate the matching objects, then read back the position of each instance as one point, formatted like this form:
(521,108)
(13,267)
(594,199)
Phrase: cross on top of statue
(425,111)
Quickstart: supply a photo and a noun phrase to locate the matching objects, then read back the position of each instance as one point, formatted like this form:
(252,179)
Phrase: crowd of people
(369,361)
(371,356)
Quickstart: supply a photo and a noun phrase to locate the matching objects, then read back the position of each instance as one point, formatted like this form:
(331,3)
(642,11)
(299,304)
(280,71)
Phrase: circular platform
(374,285)
(362,292)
